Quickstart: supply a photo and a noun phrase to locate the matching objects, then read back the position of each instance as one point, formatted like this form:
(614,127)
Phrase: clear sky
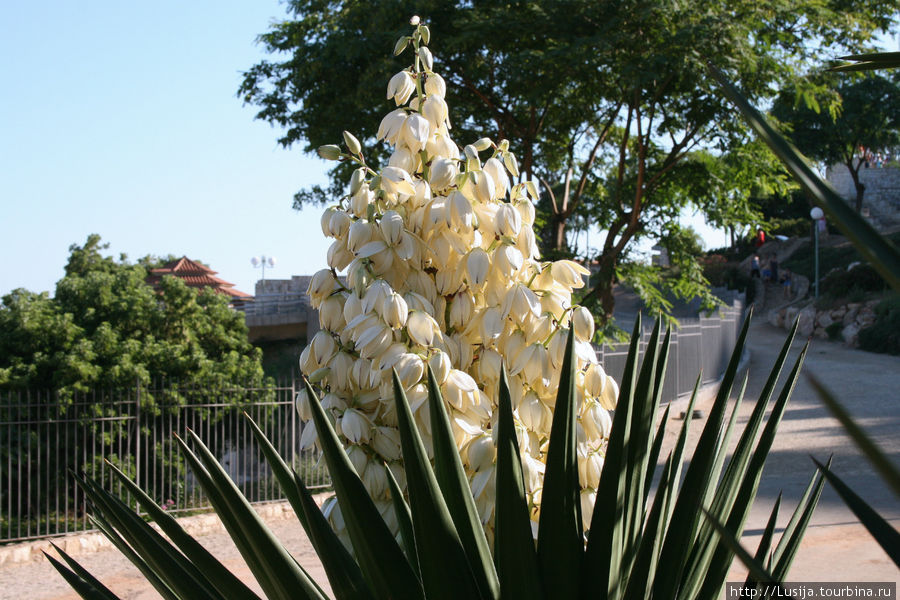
(120,118)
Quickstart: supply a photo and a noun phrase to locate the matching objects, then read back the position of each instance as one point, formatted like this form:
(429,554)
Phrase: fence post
(137,434)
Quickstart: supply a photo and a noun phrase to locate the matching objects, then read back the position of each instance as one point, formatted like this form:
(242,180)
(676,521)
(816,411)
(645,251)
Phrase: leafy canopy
(106,327)
(607,103)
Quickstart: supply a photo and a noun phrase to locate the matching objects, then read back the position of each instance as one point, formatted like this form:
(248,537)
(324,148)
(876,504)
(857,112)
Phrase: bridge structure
(280,311)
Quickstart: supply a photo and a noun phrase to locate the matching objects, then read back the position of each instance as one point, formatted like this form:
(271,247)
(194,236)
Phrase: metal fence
(47,439)
(699,345)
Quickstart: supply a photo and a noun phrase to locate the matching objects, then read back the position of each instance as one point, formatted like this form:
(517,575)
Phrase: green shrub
(834,331)
(884,334)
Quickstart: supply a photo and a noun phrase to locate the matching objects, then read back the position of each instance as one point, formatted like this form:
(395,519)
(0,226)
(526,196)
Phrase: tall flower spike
(440,267)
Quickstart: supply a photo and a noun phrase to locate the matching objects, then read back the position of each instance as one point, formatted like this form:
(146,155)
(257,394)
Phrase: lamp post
(817,215)
(261,262)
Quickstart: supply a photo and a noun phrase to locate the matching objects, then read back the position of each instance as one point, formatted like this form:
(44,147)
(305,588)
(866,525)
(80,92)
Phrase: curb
(87,542)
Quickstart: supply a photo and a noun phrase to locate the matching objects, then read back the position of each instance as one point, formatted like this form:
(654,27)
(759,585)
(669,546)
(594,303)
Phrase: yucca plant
(646,540)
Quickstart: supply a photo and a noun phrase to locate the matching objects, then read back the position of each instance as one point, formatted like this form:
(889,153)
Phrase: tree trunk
(857,184)
(604,285)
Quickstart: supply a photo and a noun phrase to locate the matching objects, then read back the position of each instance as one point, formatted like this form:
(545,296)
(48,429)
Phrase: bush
(884,334)
(834,331)
(861,278)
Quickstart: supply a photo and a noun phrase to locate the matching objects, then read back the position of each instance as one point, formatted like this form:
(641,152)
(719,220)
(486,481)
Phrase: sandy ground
(836,547)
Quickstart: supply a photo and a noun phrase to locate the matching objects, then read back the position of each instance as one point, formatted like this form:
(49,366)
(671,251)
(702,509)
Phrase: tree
(603,102)
(105,327)
(864,118)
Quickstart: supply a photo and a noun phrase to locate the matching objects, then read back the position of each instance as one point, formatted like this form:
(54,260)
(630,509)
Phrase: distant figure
(786,284)
(754,266)
(760,238)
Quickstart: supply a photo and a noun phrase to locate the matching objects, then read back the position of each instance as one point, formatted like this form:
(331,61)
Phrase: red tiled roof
(195,275)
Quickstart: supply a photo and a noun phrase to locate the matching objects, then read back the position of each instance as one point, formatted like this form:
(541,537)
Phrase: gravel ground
(836,547)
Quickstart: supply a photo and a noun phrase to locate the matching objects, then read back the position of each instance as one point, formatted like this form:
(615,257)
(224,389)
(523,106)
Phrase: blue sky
(120,118)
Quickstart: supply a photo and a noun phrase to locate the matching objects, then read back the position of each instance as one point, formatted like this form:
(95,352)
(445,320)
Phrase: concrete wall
(882,196)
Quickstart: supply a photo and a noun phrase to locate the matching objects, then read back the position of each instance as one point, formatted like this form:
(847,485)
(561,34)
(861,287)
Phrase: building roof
(196,275)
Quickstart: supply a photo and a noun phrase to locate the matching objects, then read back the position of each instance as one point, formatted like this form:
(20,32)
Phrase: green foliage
(636,546)
(605,103)
(884,334)
(105,327)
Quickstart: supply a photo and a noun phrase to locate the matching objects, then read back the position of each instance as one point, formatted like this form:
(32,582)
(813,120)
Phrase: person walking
(754,266)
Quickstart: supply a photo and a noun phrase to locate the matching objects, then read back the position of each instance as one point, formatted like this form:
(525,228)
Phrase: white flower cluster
(442,269)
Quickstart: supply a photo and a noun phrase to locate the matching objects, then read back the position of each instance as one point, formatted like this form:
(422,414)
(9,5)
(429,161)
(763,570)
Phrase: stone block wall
(882,195)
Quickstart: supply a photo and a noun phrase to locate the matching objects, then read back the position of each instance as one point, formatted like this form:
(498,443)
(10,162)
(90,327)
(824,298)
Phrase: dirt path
(836,547)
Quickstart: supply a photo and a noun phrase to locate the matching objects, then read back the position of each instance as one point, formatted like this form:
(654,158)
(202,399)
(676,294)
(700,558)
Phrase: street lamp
(261,262)
(817,215)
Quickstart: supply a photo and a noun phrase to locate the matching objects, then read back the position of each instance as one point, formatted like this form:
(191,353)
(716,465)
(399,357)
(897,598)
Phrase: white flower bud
(509,221)
(440,366)
(410,370)
(394,311)
(583,322)
(329,152)
(443,173)
(425,56)
(435,85)
(477,264)
(594,380)
(375,479)
(596,421)
(588,497)
(397,181)
(353,144)
(610,394)
(400,87)
(386,442)
(421,328)
(569,273)
(480,453)
(391,227)
(442,146)
(321,284)
(493,168)
(415,132)
(360,233)
(435,110)
(301,403)
(338,257)
(391,125)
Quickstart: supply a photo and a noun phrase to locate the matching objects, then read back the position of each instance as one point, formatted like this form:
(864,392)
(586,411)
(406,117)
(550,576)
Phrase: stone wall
(882,195)
(852,317)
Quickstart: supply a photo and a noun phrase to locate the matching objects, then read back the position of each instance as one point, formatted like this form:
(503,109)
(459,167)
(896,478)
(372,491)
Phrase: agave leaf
(653,458)
(721,560)
(685,518)
(646,397)
(276,567)
(87,586)
(517,566)
(701,550)
(756,569)
(641,574)
(343,573)
(178,573)
(878,459)
(737,466)
(789,543)
(869,62)
(215,572)
(886,536)
(446,573)
(380,557)
(601,570)
(560,537)
(454,485)
(765,543)
(404,520)
(122,546)
(883,255)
